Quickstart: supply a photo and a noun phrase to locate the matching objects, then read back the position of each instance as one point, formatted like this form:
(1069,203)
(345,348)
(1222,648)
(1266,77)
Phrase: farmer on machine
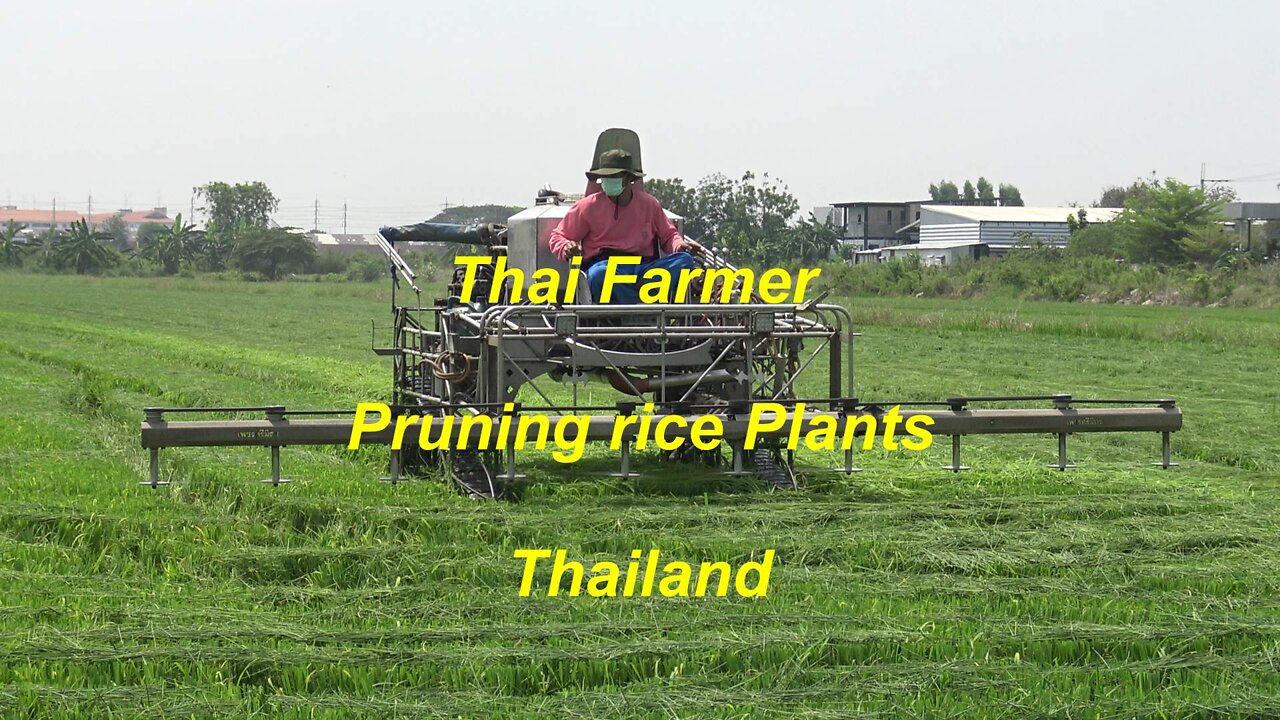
(622,219)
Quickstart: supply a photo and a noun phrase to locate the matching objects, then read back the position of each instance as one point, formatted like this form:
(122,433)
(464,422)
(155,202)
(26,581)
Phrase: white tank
(529,233)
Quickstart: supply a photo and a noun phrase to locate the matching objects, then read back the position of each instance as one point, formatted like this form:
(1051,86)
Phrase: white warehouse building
(1000,228)
(932,253)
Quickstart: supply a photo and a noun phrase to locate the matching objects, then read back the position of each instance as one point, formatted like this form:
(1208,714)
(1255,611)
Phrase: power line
(1261,177)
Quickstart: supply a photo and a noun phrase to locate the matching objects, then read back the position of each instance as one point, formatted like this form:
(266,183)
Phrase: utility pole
(90,213)
(1204,180)
(315,219)
(344,217)
(191,218)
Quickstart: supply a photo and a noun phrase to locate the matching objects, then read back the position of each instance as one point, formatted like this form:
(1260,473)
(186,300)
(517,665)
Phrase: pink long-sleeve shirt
(599,224)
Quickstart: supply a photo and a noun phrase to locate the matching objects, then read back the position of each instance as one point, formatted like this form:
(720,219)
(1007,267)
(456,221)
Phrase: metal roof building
(346,244)
(1002,227)
(938,253)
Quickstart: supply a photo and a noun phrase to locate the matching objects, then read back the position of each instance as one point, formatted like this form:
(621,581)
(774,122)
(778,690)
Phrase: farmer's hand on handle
(689,245)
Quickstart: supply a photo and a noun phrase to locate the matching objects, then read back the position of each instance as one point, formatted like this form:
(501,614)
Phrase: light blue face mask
(613,187)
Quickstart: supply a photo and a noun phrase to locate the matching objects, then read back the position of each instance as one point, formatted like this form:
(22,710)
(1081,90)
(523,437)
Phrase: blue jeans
(629,294)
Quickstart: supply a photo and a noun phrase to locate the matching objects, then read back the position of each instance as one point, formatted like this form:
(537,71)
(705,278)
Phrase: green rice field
(1116,590)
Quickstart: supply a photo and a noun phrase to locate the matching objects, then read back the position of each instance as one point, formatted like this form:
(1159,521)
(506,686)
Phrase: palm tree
(216,250)
(172,245)
(82,248)
(43,246)
(11,251)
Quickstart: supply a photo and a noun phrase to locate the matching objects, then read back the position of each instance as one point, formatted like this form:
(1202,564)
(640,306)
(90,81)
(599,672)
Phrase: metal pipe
(275,466)
(155,467)
(397,262)
(250,433)
(955,465)
(646,385)
(1166,454)
(393,476)
(1063,464)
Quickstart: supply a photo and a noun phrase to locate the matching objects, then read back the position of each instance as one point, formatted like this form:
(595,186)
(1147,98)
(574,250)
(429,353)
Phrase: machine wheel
(474,476)
(773,468)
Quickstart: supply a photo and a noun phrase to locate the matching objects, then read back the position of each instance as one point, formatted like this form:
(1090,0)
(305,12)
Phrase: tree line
(755,219)
(980,193)
(237,235)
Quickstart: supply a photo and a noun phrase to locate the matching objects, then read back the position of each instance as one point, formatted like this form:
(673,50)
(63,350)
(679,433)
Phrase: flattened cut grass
(1115,590)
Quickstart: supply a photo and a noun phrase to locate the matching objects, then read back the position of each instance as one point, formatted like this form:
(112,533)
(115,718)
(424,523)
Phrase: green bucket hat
(615,162)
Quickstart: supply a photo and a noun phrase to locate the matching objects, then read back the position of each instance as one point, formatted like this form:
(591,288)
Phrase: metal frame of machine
(451,356)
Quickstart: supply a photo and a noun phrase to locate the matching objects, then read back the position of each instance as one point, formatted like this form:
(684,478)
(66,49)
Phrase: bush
(1096,240)
(329,262)
(367,267)
(1046,273)
(1066,287)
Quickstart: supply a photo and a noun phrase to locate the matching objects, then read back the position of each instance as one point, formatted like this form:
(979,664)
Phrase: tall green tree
(1010,195)
(1210,244)
(1115,196)
(172,245)
(230,208)
(970,194)
(273,251)
(944,191)
(85,249)
(986,193)
(118,229)
(682,201)
(755,218)
(1171,224)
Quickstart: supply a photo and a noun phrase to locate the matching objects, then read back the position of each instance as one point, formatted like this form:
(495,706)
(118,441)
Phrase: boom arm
(477,234)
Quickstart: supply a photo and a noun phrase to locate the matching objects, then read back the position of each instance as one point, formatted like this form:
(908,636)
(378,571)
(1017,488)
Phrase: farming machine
(485,354)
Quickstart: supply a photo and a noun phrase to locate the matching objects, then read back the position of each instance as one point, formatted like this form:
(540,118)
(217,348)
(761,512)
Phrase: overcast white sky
(395,107)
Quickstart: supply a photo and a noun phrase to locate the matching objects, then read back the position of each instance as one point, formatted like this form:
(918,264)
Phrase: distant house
(868,225)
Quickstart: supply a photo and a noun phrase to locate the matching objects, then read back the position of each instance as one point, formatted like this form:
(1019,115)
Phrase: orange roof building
(39,221)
